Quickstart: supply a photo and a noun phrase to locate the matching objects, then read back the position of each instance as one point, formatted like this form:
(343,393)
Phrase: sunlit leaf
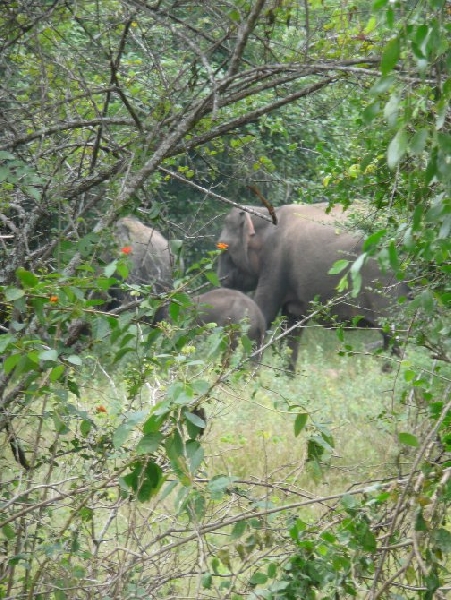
(408,439)
(51,355)
(27,278)
(74,360)
(12,293)
(390,56)
(417,144)
(300,423)
(397,148)
(338,266)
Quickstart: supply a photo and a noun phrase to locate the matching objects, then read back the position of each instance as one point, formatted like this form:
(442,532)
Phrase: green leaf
(74,360)
(382,85)
(6,155)
(57,372)
(442,539)
(12,293)
(390,56)
(300,422)
(409,375)
(153,424)
(201,386)
(8,532)
(338,266)
(149,443)
(195,454)
(258,578)
(238,530)
(121,434)
(48,355)
(417,144)
(356,275)
(408,439)
(397,148)
(393,256)
(5,340)
(195,419)
(213,278)
(371,112)
(145,480)
(110,269)
(219,485)
(27,278)
(373,240)
(420,523)
(343,284)
(122,269)
(357,265)
(207,581)
(378,4)
(85,427)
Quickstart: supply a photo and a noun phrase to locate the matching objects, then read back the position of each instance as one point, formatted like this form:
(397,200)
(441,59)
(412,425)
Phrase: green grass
(251,430)
(250,436)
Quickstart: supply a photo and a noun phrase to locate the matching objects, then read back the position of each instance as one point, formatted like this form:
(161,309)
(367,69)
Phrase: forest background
(332,484)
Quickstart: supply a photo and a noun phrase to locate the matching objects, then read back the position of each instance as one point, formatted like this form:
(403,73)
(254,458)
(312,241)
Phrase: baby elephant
(229,307)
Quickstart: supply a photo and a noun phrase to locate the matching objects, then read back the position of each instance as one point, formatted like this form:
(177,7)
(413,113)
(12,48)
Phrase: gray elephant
(151,261)
(230,307)
(288,266)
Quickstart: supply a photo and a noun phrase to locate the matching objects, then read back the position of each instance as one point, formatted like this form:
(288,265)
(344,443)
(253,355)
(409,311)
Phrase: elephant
(151,261)
(230,307)
(287,266)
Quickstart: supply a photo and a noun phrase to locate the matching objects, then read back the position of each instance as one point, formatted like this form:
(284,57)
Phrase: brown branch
(208,192)
(244,32)
(266,203)
(250,117)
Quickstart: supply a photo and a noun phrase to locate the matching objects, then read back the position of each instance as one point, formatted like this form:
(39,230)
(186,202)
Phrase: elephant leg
(390,342)
(293,344)
(293,337)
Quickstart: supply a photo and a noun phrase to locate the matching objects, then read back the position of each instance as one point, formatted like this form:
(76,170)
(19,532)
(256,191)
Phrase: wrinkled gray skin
(287,265)
(151,262)
(230,307)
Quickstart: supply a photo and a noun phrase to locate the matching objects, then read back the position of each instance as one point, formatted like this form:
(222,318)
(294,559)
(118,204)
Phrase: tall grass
(172,543)
(252,431)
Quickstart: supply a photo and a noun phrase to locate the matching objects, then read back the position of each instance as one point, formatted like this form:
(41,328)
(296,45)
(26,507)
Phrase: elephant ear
(235,238)
(249,226)
(247,231)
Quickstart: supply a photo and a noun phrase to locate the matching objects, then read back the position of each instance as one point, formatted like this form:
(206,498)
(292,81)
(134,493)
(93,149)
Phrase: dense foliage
(172,111)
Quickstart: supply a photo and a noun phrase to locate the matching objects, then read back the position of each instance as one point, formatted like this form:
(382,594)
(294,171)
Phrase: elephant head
(241,239)
(230,307)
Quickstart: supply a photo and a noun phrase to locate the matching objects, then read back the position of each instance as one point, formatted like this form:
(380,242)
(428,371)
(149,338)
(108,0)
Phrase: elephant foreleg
(293,337)
(390,342)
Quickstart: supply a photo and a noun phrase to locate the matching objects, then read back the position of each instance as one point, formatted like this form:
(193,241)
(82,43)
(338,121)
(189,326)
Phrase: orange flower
(126,250)
(222,246)
(53,298)
(100,409)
